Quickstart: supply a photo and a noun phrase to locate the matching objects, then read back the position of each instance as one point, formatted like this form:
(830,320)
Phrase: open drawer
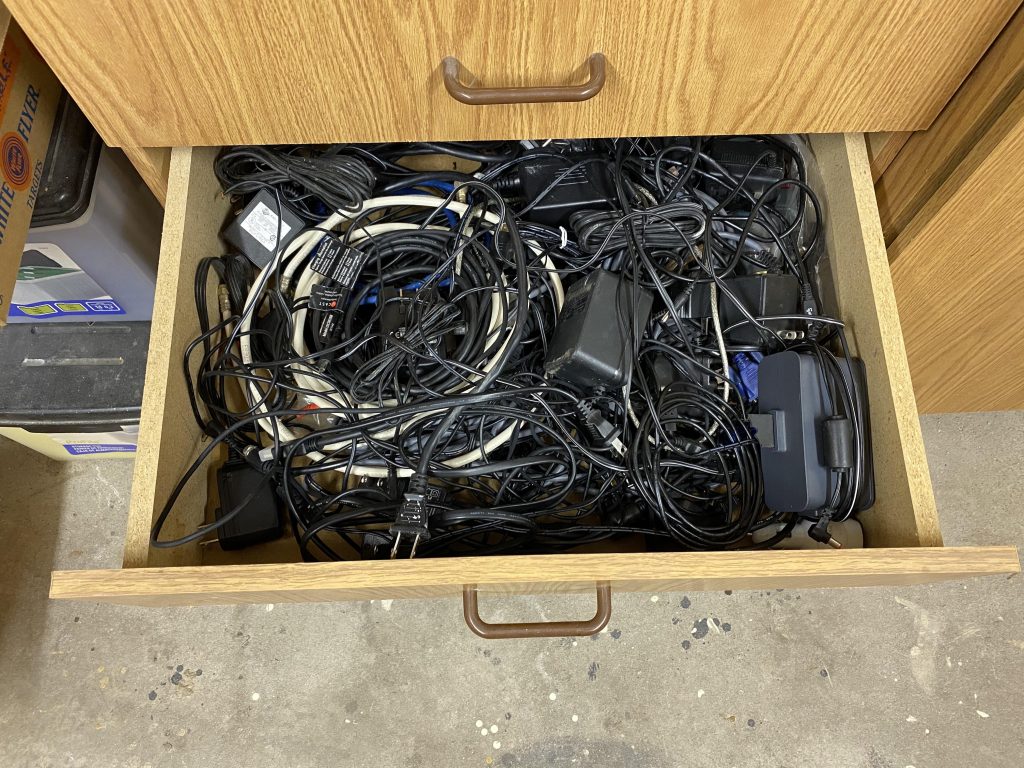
(904,544)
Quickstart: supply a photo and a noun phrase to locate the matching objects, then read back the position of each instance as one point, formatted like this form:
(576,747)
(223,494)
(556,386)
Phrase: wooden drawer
(902,533)
(206,72)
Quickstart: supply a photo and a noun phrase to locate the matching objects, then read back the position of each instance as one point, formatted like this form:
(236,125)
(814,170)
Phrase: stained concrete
(926,676)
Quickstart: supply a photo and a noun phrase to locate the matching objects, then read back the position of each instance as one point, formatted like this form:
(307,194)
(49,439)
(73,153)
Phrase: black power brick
(760,295)
(556,186)
(255,230)
(250,492)
(748,158)
(590,346)
(802,438)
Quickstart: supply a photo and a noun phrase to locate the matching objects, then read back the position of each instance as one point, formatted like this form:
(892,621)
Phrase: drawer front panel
(204,72)
(324,582)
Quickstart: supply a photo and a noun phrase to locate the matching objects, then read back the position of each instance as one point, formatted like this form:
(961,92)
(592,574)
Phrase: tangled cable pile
(386,372)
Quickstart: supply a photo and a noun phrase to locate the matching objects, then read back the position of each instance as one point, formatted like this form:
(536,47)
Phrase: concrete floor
(882,678)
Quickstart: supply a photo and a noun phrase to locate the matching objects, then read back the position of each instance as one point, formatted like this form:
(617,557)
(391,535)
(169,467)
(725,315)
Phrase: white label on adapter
(262,224)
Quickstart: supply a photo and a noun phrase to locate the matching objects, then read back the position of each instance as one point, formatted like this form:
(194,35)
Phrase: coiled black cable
(696,464)
(313,182)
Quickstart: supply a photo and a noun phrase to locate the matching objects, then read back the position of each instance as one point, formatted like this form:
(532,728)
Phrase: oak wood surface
(651,571)
(883,148)
(928,157)
(207,72)
(153,165)
(958,269)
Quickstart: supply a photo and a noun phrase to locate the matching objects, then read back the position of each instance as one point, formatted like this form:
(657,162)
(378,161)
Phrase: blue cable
(745,376)
(415,285)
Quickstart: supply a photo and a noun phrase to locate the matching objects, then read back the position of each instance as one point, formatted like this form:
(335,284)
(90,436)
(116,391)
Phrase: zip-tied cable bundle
(385,372)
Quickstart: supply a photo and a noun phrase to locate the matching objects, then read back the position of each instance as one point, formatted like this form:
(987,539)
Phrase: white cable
(717,322)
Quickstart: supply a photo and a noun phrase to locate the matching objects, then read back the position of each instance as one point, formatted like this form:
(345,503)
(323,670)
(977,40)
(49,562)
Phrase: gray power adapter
(801,441)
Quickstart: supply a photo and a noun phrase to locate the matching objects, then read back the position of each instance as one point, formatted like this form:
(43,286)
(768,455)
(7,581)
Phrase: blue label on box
(80,449)
(42,309)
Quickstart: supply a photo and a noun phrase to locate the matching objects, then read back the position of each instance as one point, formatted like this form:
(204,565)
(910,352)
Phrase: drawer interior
(904,511)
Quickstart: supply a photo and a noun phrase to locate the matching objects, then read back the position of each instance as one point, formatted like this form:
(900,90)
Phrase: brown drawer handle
(471,609)
(453,72)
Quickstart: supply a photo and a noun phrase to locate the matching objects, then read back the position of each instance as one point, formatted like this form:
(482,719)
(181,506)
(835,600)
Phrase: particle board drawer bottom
(903,541)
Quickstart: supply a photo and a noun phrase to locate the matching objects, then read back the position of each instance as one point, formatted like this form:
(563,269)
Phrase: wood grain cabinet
(951,200)
(205,72)
(200,73)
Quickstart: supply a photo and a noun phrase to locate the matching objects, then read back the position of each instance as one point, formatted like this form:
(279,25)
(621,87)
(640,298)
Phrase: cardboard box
(29,92)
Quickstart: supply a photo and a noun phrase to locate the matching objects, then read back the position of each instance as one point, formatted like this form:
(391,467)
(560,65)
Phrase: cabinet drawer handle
(471,610)
(453,73)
